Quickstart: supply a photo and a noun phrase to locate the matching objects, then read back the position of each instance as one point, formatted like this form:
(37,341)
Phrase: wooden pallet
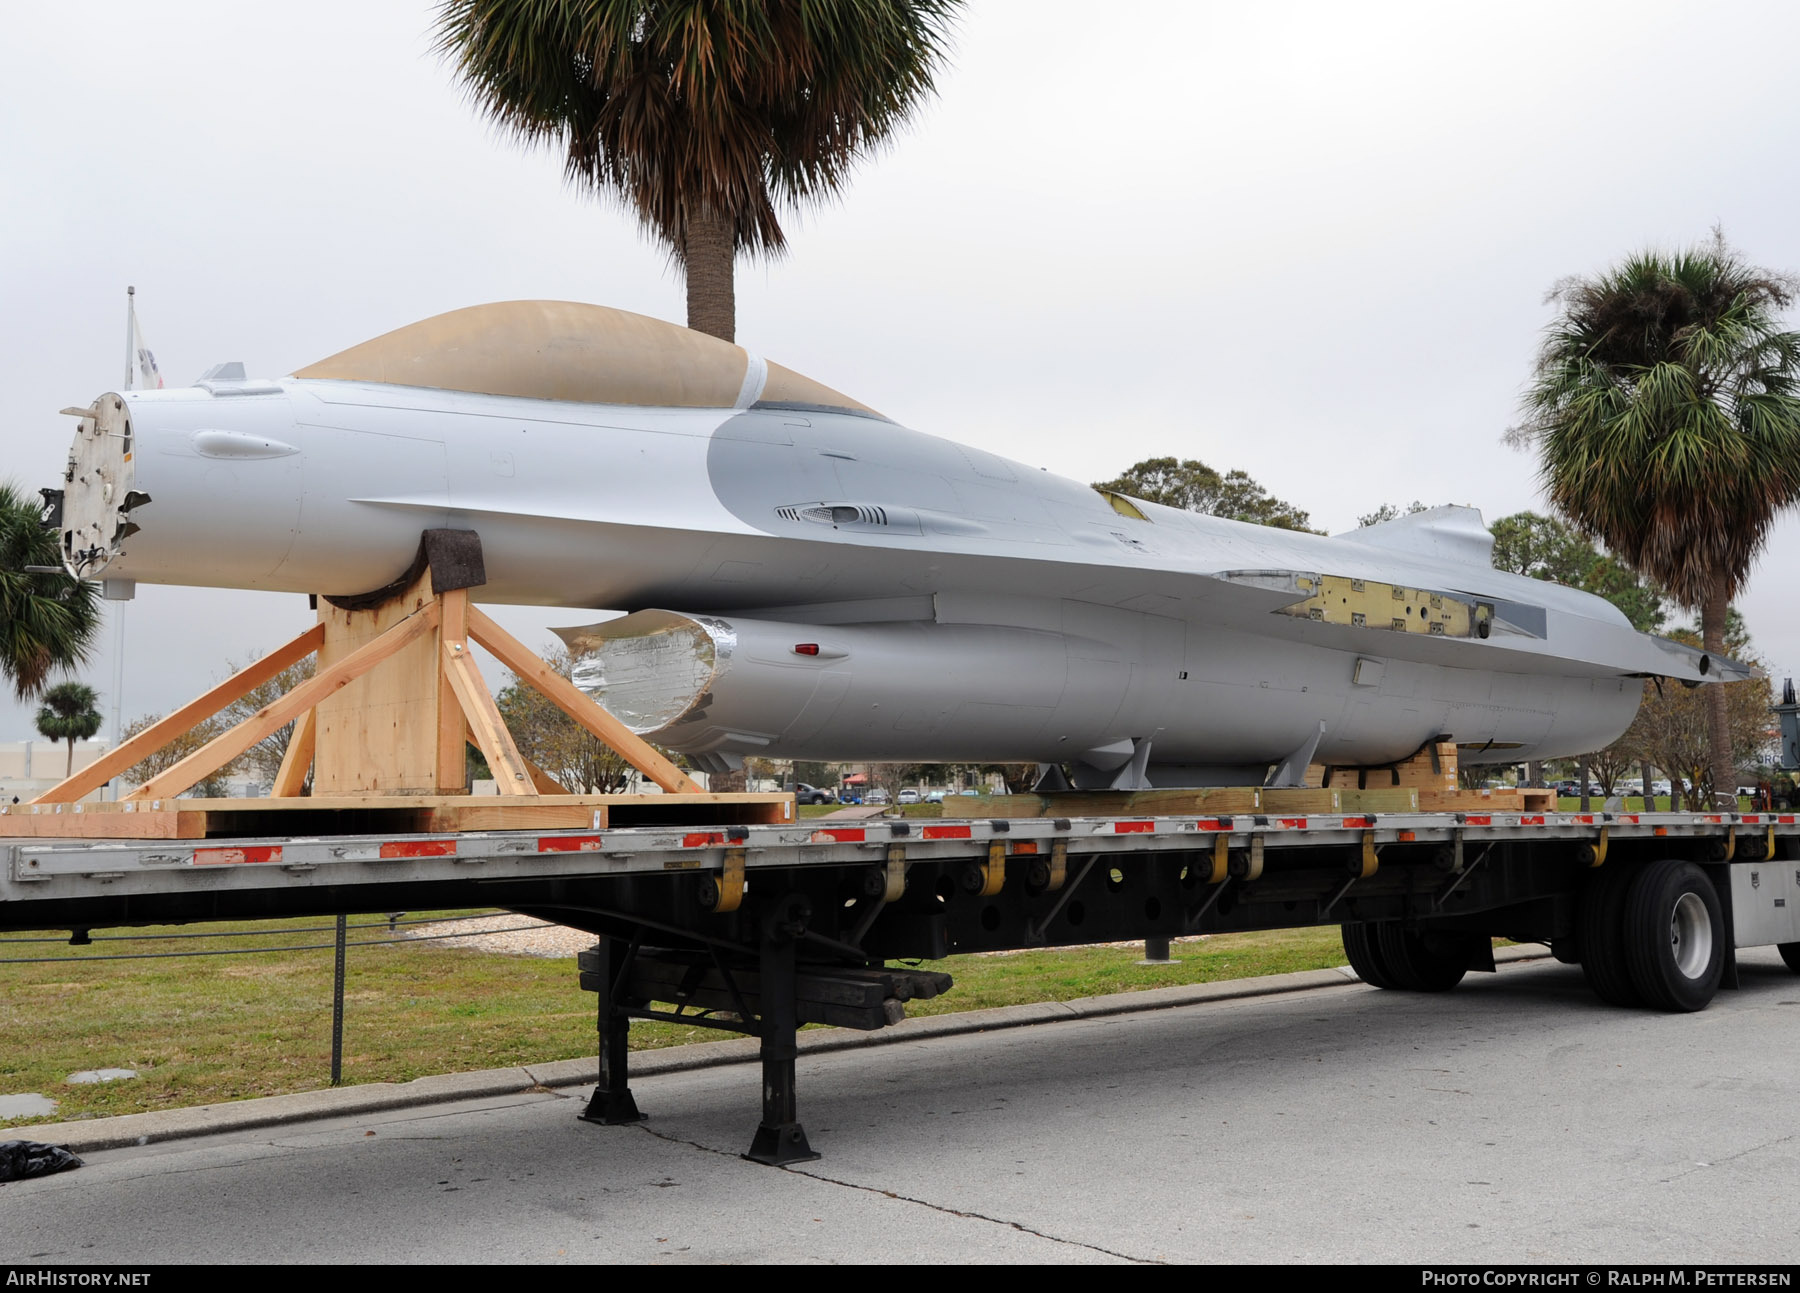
(195,819)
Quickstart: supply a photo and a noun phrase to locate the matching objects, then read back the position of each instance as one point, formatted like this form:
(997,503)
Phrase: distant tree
(263,760)
(70,713)
(1389,512)
(210,787)
(824,776)
(1191,485)
(47,621)
(1611,765)
(1672,728)
(579,761)
(1543,547)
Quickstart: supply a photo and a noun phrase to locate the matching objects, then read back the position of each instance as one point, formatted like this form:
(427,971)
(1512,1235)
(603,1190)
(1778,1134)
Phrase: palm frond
(48,622)
(682,109)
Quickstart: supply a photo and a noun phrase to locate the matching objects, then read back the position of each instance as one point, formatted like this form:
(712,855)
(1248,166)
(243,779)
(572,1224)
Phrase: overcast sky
(1308,240)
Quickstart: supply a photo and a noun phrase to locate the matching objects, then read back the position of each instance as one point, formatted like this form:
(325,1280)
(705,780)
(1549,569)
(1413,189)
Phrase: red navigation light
(806,648)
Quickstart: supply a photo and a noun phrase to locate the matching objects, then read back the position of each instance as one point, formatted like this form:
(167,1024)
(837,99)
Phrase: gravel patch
(507,933)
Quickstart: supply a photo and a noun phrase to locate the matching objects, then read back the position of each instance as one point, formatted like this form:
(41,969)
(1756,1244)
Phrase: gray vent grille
(838,514)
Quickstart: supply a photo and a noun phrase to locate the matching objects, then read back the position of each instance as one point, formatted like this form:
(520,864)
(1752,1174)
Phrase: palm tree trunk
(707,259)
(69,763)
(1718,726)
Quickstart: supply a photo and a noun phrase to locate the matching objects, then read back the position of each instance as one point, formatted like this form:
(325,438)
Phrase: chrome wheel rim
(1690,935)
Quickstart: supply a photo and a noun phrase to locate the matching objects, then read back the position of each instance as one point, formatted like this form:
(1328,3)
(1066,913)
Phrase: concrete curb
(129,1129)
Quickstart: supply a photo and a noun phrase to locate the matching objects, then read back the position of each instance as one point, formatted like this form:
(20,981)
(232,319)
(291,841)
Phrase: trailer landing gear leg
(780,1139)
(612,1103)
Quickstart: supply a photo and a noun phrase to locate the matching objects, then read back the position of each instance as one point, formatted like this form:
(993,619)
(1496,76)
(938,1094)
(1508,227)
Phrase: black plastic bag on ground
(22,1158)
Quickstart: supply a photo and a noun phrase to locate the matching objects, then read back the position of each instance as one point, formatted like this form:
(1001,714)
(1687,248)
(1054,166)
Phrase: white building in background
(28,768)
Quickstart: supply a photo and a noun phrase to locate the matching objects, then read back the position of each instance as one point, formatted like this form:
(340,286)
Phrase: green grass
(1635,804)
(1013,978)
(206,1029)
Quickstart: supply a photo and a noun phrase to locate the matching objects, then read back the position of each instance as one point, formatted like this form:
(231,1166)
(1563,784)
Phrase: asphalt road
(1514,1120)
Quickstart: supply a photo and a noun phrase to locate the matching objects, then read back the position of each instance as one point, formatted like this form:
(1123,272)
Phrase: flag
(149,375)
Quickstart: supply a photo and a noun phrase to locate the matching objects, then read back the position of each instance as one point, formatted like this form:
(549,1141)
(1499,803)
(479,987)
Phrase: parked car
(813,794)
(908,797)
(935,796)
(876,796)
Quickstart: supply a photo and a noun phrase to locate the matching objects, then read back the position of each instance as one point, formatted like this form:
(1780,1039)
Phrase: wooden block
(1471,801)
(1001,806)
(379,734)
(173,825)
(505,813)
(1388,799)
(1303,801)
(1538,799)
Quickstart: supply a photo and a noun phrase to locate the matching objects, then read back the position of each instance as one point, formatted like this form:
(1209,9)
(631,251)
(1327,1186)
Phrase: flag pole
(119,607)
(130,330)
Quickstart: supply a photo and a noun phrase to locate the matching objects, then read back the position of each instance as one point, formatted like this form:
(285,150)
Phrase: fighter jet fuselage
(806,578)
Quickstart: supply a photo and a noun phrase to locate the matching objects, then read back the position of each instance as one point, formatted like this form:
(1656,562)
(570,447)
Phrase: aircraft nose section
(97,494)
(199,487)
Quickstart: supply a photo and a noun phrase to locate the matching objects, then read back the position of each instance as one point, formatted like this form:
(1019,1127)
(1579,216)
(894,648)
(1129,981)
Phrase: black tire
(1428,962)
(1601,936)
(1675,936)
(1790,952)
(1365,956)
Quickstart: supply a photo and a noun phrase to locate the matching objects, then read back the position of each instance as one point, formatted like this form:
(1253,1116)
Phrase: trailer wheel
(1675,936)
(1429,962)
(1790,952)
(1601,936)
(1365,956)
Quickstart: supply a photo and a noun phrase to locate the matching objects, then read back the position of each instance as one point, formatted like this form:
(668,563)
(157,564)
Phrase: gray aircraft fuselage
(812,580)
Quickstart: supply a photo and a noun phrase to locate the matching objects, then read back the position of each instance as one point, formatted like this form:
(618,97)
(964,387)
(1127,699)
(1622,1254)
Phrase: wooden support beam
(486,726)
(157,735)
(545,783)
(290,781)
(221,750)
(579,706)
(452,726)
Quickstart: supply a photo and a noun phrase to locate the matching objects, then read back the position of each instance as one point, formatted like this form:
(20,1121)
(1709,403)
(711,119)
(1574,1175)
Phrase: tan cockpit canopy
(564,350)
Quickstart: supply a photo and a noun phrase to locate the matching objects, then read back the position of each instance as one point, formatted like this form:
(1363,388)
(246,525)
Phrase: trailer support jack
(780,1139)
(612,1103)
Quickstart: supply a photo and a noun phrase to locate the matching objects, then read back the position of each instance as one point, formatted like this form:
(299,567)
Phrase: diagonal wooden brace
(290,781)
(157,735)
(579,706)
(222,749)
(511,775)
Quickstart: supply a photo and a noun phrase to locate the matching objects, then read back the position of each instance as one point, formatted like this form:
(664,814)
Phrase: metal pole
(1156,951)
(118,610)
(130,331)
(337,1006)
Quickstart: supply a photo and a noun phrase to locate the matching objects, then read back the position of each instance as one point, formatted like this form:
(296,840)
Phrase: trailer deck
(759,928)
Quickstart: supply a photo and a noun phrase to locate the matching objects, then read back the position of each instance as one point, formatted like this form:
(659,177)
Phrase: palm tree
(69,714)
(702,116)
(1666,407)
(47,621)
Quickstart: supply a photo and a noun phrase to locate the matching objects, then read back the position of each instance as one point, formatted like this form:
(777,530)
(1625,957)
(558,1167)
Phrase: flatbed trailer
(761,928)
